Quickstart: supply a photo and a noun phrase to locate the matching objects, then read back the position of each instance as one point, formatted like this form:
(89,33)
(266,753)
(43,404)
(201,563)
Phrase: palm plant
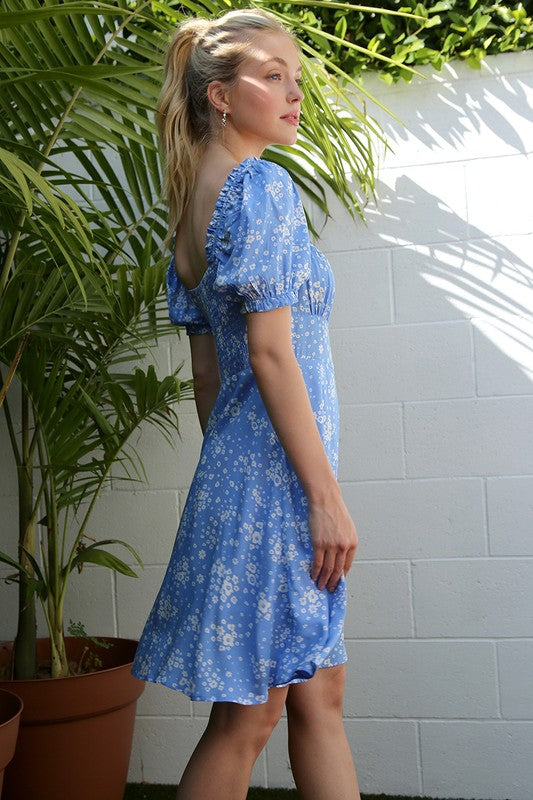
(81,272)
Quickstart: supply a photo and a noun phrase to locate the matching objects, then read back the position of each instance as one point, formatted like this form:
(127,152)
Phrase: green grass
(146,791)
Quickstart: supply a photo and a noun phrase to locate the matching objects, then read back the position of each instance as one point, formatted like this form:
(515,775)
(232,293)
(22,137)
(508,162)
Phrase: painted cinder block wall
(432,336)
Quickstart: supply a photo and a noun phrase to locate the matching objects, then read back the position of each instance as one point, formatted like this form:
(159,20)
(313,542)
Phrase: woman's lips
(292,119)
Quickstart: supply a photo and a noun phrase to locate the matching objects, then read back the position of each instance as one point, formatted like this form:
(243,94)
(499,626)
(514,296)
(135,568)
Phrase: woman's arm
(284,393)
(206,377)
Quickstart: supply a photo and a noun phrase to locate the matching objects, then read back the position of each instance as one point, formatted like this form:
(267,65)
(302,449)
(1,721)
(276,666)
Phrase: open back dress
(238,613)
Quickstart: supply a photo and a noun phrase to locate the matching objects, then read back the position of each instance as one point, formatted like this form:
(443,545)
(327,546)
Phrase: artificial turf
(139,791)
(147,791)
(143,791)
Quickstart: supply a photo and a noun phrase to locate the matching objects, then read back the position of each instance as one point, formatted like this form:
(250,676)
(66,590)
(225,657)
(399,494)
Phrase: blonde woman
(250,614)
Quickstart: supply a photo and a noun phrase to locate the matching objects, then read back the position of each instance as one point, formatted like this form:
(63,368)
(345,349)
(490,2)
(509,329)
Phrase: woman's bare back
(189,248)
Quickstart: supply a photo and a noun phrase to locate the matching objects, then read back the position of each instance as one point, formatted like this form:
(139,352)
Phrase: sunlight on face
(271,47)
(266,99)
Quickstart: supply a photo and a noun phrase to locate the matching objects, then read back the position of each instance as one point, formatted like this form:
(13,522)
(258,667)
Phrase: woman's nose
(295,92)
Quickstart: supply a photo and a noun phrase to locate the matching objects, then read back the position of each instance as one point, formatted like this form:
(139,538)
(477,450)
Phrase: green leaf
(104,559)
(443,5)
(12,562)
(341,27)
(387,78)
(387,25)
(12,161)
(481,23)
(451,40)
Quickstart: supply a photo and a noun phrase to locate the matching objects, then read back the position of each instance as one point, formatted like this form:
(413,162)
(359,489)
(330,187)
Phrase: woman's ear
(218,96)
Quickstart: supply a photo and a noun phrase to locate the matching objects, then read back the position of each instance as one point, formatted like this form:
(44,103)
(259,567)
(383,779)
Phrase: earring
(224,118)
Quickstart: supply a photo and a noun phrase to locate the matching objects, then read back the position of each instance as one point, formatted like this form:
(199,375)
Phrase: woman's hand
(334,540)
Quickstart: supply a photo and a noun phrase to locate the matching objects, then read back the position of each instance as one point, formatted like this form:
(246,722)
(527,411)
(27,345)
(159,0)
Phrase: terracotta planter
(10,711)
(76,733)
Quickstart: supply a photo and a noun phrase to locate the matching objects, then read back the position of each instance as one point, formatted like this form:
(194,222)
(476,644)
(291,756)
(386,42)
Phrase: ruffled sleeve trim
(181,307)
(259,238)
(269,303)
(226,208)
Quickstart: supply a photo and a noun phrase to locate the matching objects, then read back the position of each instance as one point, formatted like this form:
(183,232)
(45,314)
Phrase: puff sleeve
(181,307)
(264,255)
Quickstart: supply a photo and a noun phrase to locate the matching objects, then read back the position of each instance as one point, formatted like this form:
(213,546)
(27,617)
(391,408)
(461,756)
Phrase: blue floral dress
(237,612)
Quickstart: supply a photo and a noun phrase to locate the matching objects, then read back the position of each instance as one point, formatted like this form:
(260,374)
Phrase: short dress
(238,612)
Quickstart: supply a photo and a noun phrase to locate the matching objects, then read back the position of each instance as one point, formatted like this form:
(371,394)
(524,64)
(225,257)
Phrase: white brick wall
(432,337)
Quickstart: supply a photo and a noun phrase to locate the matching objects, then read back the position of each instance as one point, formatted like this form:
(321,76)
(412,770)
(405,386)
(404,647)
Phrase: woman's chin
(287,139)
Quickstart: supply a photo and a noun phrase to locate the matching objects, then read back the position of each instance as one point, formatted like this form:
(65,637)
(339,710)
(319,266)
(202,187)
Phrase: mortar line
(418,246)
(265,768)
(474,358)
(440,400)
(434,639)
(485,515)
(114,601)
(436,477)
(411,598)
(403,441)
(498,680)
(420,766)
(426,323)
(467,220)
(392,293)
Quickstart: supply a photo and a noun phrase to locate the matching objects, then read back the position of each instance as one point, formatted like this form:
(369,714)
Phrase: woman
(250,614)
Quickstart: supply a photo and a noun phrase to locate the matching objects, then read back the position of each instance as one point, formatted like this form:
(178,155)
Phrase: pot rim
(18,706)
(124,641)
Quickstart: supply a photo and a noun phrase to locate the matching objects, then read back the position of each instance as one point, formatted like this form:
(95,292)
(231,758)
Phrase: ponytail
(201,51)
(178,133)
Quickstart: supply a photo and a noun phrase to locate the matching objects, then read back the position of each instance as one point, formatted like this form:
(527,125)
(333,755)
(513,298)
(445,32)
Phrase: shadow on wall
(488,105)
(465,272)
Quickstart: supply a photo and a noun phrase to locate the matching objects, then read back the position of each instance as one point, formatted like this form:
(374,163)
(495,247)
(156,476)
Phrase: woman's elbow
(268,357)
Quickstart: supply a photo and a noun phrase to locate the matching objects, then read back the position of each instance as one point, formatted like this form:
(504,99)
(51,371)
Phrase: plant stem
(55,586)
(12,249)
(13,367)
(11,429)
(24,655)
(58,654)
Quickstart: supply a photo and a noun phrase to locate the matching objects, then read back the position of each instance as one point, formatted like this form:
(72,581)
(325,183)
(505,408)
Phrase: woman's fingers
(330,563)
(350,555)
(334,541)
(318,561)
(328,566)
(338,569)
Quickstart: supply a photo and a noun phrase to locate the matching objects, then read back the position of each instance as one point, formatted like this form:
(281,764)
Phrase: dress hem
(198,697)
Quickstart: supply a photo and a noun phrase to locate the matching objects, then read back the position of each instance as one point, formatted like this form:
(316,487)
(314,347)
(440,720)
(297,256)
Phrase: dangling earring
(224,118)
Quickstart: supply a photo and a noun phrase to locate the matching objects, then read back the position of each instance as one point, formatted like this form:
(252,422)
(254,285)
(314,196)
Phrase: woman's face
(264,104)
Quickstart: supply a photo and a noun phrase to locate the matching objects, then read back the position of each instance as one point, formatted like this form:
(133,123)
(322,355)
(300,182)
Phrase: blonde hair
(200,52)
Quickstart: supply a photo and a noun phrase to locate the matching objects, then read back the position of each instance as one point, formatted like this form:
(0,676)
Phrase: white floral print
(237,612)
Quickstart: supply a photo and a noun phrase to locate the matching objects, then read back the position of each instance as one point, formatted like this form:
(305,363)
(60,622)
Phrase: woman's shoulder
(255,196)
(262,175)
(259,186)
(254,184)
